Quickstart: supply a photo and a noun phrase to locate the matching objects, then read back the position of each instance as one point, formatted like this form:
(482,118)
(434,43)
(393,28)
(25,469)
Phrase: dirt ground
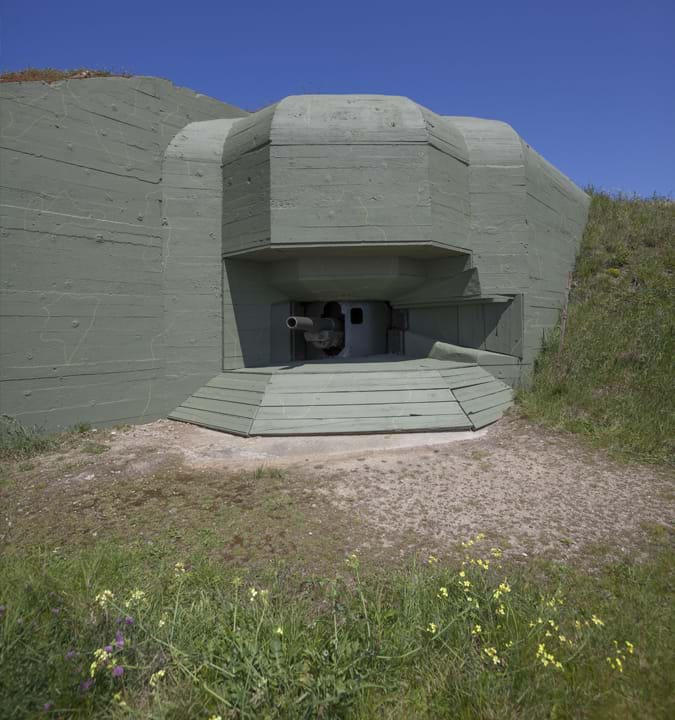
(310,501)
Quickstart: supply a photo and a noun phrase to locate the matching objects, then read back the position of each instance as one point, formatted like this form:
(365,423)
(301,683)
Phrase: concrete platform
(380,394)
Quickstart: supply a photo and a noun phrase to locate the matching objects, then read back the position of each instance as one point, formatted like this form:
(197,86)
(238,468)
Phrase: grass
(50,75)
(172,626)
(19,441)
(22,441)
(614,381)
(191,639)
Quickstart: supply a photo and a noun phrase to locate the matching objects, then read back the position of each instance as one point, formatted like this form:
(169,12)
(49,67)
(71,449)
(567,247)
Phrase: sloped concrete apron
(382,394)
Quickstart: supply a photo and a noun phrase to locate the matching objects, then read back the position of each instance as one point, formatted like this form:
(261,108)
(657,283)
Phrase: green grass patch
(22,441)
(112,632)
(19,441)
(613,381)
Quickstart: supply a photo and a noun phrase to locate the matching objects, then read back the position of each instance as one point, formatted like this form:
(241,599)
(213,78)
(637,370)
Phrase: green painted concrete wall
(477,231)
(152,237)
(83,248)
(527,220)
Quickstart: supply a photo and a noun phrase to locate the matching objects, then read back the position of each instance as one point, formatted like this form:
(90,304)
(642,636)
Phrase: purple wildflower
(108,649)
(48,706)
(119,640)
(87,685)
(71,654)
(56,611)
(117,671)
(128,620)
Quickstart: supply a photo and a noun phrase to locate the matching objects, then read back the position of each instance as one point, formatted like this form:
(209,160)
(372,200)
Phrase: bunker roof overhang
(344,174)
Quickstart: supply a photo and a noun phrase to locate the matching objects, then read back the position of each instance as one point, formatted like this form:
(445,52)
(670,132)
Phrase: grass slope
(614,380)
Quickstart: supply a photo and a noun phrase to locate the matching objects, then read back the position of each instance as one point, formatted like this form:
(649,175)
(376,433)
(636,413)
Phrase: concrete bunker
(378,260)
(430,254)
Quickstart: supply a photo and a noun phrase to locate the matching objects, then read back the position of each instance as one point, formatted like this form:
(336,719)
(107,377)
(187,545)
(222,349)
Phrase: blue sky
(590,85)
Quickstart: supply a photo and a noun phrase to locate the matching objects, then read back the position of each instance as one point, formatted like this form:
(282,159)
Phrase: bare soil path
(310,501)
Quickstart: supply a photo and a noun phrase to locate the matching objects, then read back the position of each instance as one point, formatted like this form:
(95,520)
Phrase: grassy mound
(614,379)
(50,75)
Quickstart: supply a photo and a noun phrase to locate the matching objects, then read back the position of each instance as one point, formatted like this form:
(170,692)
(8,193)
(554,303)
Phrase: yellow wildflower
(491,652)
(215,717)
(462,573)
(615,663)
(104,598)
(509,644)
(546,658)
(442,592)
(156,677)
(597,621)
(432,560)
(495,552)
(501,610)
(466,583)
(480,536)
(432,628)
(179,568)
(252,592)
(279,631)
(476,630)
(101,657)
(483,564)
(630,646)
(136,597)
(352,561)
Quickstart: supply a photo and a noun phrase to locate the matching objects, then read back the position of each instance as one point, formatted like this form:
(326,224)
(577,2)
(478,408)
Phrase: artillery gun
(325,333)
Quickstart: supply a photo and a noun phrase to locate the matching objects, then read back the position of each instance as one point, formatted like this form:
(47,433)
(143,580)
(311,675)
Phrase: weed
(273,473)
(19,441)
(22,441)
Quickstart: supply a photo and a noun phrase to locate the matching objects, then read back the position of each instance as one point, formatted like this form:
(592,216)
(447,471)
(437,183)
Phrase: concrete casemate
(328,264)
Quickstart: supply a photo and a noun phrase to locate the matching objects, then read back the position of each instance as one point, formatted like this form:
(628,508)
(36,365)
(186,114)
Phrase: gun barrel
(312,324)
